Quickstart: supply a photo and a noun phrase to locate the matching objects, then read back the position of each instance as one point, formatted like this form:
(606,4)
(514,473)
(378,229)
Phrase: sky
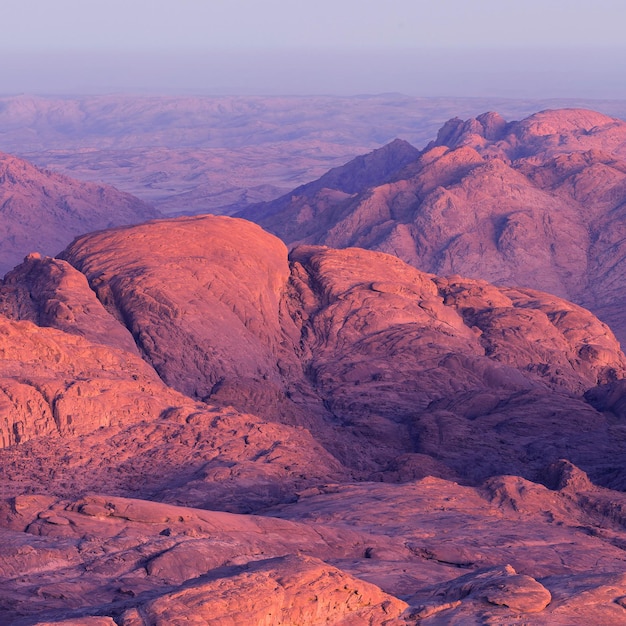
(547,48)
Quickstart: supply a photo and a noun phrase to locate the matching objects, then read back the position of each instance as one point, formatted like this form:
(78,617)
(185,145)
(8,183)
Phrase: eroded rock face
(537,203)
(51,293)
(501,586)
(176,564)
(369,353)
(55,383)
(196,292)
(544,335)
(279,592)
(195,455)
(41,211)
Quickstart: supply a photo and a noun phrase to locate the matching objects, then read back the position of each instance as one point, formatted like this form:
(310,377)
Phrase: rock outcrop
(360,348)
(429,551)
(55,383)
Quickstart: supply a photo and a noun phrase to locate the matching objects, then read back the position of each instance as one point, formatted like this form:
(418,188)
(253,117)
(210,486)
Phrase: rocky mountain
(414,448)
(42,211)
(349,340)
(538,203)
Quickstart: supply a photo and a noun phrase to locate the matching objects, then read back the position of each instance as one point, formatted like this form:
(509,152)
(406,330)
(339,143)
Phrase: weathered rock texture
(41,211)
(200,295)
(538,203)
(53,382)
(430,552)
(414,447)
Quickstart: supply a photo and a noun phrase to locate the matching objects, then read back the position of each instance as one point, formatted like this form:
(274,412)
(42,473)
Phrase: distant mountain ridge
(538,203)
(317,200)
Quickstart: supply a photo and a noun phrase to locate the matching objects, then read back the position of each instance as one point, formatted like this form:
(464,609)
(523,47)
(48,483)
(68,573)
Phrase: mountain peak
(493,124)
(559,121)
(490,126)
(369,169)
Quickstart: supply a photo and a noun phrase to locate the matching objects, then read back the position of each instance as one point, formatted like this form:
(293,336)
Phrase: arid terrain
(397,435)
(201,423)
(43,211)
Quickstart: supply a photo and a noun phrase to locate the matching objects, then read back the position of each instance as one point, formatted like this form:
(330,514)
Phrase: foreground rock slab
(431,552)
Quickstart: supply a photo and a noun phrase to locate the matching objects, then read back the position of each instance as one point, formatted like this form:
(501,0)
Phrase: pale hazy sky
(533,48)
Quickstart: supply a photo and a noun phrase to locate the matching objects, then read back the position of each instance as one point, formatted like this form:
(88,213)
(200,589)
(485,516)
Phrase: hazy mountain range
(208,154)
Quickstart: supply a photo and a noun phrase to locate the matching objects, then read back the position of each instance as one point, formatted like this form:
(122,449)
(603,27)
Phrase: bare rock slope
(537,203)
(361,348)
(426,552)
(41,211)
